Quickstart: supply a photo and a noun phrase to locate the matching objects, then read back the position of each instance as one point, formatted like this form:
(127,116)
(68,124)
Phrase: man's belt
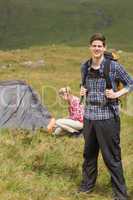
(108,102)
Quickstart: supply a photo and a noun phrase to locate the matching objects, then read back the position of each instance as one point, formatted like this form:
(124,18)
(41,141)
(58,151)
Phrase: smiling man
(101,116)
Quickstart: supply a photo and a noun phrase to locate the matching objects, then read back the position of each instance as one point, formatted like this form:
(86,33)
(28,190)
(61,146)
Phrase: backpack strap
(84,71)
(106,71)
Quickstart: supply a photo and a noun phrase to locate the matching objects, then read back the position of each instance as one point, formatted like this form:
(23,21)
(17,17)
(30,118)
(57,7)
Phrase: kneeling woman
(74,122)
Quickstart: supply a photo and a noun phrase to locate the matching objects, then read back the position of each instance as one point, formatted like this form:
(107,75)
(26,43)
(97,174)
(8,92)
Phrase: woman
(74,122)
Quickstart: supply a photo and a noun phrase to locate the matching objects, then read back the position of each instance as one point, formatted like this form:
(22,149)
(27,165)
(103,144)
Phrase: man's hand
(83,91)
(111,94)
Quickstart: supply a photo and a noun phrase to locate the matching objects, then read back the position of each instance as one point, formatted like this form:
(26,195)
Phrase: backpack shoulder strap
(106,71)
(84,71)
(109,56)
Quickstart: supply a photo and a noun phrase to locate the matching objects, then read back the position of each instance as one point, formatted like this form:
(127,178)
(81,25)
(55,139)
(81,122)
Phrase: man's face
(97,49)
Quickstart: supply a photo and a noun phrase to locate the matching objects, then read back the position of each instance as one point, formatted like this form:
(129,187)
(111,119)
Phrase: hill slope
(42,167)
(29,22)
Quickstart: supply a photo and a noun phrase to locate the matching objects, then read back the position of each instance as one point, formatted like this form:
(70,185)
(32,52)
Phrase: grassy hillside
(39,166)
(26,23)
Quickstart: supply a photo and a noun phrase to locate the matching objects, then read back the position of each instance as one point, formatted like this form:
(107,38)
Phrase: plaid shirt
(96,91)
(75,109)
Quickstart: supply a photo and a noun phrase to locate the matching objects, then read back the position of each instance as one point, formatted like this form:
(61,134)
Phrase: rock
(119,51)
(5,66)
(33,64)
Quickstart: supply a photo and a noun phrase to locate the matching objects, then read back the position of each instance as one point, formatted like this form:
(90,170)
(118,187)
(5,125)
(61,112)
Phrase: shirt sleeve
(124,77)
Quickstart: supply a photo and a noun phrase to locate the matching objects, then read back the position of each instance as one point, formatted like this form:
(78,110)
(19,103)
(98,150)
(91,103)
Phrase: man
(101,118)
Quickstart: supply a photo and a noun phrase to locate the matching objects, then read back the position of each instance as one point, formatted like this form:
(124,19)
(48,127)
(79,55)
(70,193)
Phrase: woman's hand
(51,125)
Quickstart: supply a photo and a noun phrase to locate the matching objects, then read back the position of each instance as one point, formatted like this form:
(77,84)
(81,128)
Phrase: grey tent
(20,107)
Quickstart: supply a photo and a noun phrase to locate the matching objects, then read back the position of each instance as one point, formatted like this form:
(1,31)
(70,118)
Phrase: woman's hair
(98,36)
(64,90)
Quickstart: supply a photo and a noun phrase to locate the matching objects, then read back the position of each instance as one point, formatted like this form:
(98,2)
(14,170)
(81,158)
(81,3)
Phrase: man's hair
(98,36)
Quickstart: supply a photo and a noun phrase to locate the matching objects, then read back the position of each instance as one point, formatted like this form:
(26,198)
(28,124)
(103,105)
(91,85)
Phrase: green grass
(42,167)
(25,23)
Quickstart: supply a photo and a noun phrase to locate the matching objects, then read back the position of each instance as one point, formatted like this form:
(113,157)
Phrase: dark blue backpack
(109,56)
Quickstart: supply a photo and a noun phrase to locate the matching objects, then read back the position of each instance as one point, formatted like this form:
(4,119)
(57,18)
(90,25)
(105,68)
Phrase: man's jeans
(103,135)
